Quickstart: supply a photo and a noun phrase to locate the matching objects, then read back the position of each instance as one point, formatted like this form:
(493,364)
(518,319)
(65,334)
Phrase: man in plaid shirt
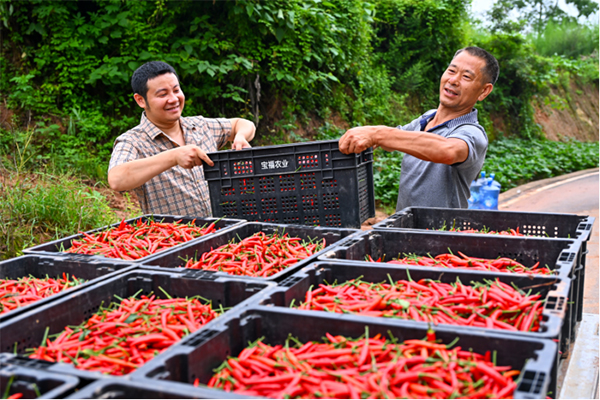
(161,158)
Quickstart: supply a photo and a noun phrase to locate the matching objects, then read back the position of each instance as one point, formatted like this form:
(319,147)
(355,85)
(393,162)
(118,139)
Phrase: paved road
(576,193)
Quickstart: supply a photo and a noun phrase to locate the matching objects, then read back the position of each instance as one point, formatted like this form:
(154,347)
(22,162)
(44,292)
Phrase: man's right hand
(191,156)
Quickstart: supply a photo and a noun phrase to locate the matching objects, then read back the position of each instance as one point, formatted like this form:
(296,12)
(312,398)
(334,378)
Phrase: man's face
(164,99)
(463,83)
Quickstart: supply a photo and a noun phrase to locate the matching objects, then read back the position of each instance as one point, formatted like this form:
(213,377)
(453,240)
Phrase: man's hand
(242,132)
(240,142)
(357,140)
(191,156)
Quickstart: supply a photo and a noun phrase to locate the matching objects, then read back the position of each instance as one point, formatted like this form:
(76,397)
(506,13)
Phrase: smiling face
(164,100)
(463,83)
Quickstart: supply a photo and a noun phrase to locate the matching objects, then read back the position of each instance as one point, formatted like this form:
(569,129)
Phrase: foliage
(518,161)
(523,74)
(75,60)
(386,176)
(514,161)
(416,40)
(300,69)
(38,207)
(568,38)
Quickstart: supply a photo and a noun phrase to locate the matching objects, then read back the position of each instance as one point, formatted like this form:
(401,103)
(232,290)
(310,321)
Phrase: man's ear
(487,89)
(140,100)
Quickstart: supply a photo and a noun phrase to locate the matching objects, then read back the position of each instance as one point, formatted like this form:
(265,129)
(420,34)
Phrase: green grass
(37,207)
(569,39)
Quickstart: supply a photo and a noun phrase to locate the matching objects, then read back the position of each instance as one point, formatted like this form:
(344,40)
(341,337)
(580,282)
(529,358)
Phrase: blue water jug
(475,188)
(474,200)
(489,193)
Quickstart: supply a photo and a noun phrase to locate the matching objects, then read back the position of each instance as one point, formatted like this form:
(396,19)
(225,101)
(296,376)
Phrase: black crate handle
(199,274)
(29,362)
(556,304)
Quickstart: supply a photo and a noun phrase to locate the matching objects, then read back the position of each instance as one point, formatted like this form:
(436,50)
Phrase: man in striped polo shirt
(161,158)
(445,147)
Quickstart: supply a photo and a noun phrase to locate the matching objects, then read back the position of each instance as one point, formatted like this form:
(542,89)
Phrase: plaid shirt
(177,191)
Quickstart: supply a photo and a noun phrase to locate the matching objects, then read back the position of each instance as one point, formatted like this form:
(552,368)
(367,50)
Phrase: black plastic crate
(145,389)
(33,383)
(27,330)
(559,254)
(54,247)
(192,360)
(304,183)
(547,225)
(553,290)
(176,258)
(38,266)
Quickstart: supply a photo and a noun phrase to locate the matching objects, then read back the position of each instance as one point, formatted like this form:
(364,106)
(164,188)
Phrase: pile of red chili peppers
(259,255)
(134,241)
(502,264)
(508,232)
(494,304)
(373,368)
(121,338)
(15,293)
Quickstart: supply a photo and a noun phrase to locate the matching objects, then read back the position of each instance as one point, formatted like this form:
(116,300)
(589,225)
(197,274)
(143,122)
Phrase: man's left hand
(357,140)
(240,142)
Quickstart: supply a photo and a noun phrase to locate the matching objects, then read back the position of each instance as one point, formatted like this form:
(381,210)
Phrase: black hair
(491,69)
(150,70)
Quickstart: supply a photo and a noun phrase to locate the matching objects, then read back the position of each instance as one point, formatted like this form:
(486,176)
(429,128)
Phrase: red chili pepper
(507,232)
(452,261)
(414,368)
(15,293)
(139,239)
(119,339)
(259,255)
(432,301)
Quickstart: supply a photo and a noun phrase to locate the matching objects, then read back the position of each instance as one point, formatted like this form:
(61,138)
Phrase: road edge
(510,195)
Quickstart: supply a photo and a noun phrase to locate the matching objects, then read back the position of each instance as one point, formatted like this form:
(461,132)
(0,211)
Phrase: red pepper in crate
(448,260)
(121,338)
(494,304)
(15,293)
(259,255)
(507,232)
(363,368)
(132,242)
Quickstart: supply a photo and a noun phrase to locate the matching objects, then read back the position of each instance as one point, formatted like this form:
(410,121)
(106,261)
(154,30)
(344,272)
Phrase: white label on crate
(274,164)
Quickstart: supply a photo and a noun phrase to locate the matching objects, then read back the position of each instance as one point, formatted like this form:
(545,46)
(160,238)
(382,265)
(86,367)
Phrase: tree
(534,15)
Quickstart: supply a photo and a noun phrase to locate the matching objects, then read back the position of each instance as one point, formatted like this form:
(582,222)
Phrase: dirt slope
(575,116)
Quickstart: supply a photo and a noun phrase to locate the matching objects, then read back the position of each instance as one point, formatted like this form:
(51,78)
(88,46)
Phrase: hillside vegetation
(300,69)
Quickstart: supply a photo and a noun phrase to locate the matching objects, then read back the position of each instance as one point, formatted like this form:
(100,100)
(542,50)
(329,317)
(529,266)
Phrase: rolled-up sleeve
(123,151)
(477,142)
(220,129)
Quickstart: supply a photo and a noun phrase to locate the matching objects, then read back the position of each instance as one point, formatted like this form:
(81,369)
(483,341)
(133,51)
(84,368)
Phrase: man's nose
(453,79)
(172,97)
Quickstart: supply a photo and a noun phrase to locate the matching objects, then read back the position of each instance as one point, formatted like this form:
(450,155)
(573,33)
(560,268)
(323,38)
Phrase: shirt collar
(467,118)
(153,131)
